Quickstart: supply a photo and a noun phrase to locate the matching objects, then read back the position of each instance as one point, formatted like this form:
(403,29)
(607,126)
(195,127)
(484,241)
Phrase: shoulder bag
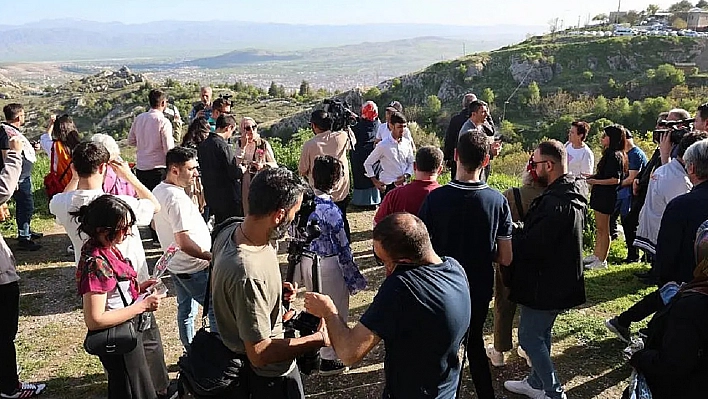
(116,340)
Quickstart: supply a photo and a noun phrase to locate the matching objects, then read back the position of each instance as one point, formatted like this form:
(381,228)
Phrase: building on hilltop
(697,19)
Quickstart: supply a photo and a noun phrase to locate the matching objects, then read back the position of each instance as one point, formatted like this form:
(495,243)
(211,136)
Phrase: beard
(542,180)
(279,231)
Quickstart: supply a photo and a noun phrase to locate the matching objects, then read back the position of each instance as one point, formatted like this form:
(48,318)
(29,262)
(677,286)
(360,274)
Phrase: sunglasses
(250,128)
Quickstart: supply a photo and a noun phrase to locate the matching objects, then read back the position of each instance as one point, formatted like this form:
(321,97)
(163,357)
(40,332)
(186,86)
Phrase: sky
(322,12)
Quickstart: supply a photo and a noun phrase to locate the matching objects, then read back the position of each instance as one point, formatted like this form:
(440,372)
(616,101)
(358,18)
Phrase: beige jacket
(8,184)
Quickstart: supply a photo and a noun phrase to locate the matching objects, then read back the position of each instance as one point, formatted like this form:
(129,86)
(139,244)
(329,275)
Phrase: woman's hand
(147,284)
(150,304)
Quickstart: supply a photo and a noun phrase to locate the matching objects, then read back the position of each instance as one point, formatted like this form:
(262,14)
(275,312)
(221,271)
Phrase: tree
(600,17)
(587,75)
(679,23)
(667,73)
(652,9)
(305,89)
(433,105)
(702,4)
(487,96)
(632,17)
(683,5)
(372,94)
(600,108)
(554,25)
(273,89)
(533,95)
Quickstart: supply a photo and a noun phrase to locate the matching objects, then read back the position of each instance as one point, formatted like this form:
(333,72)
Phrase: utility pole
(464,51)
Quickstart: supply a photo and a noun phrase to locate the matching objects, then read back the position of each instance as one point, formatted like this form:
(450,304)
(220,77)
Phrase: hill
(66,39)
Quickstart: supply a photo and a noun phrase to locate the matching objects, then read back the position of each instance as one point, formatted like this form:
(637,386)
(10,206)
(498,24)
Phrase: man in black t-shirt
(471,222)
(420,312)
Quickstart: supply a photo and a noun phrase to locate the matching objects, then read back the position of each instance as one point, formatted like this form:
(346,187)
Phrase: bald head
(403,236)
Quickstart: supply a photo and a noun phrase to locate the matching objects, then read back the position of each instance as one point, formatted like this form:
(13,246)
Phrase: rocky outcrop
(104,81)
(527,71)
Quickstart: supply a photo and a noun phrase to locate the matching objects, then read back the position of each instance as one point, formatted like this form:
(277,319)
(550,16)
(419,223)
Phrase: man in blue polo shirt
(420,312)
(471,222)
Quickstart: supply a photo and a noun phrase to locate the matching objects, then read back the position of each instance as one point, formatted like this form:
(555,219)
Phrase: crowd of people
(447,250)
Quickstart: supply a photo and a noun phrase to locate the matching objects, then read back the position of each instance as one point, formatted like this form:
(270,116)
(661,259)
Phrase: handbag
(210,369)
(116,340)
(53,181)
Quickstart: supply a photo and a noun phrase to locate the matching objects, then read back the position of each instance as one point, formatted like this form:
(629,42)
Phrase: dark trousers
(646,306)
(129,374)
(150,179)
(9,318)
(286,387)
(342,205)
(24,206)
(476,353)
(155,356)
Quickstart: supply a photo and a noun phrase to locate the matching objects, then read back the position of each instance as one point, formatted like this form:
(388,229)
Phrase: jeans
(9,317)
(191,289)
(535,338)
(645,307)
(24,205)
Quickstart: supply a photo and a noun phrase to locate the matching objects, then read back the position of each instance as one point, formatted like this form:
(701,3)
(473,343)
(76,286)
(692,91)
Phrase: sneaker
(495,357)
(523,388)
(25,244)
(597,264)
(522,353)
(630,260)
(332,367)
(25,390)
(589,259)
(620,331)
(35,235)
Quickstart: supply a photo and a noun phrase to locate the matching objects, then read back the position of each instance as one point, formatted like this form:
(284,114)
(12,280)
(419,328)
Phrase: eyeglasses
(533,163)
(249,128)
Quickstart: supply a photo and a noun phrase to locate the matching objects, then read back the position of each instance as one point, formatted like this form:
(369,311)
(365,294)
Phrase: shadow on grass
(615,282)
(92,386)
(48,290)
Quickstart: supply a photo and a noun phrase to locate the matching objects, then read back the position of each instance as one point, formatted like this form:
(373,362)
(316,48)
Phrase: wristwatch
(407,176)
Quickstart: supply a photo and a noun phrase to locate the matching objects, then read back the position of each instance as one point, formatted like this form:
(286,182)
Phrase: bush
(288,153)
(421,137)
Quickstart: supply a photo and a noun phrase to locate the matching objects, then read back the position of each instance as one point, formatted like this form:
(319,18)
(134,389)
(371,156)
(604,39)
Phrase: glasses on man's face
(533,163)
(250,128)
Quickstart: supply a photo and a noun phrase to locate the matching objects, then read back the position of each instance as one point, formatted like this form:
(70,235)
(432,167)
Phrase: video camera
(341,114)
(303,232)
(677,129)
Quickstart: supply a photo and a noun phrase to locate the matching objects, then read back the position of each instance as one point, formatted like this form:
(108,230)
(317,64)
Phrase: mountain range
(69,40)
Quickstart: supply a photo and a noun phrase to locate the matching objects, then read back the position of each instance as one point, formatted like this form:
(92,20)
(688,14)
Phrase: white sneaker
(589,259)
(522,353)
(523,388)
(495,357)
(597,264)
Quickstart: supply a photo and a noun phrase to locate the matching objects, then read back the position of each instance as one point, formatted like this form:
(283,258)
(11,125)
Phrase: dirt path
(52,331)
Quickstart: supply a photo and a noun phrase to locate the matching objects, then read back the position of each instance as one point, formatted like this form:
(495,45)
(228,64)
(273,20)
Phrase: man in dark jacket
(453,132)
(221,172)
(547,274)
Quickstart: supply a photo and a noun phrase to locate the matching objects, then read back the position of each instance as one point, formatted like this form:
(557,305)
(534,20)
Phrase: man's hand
(289,291)
(591,181)
(495,148)
(15,144)
(122,168)
(319,305)
(635,186)
(401,180)
(665,147)
(325,334)
(200,114)
(378,184)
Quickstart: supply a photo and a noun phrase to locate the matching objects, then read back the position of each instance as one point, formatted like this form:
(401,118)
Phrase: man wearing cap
(385,129)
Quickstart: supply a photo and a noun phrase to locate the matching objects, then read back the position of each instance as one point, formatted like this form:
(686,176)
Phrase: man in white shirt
(384,130)
(396,156)
(179,221)
(90,162)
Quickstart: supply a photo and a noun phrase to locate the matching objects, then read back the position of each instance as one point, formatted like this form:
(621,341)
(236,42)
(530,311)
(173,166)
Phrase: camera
(341,114)
(677,129)
(302,233)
